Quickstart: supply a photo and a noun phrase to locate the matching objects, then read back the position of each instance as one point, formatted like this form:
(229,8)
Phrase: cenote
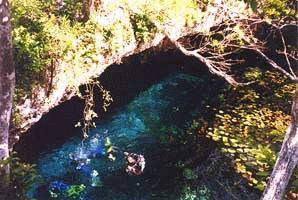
(154,106)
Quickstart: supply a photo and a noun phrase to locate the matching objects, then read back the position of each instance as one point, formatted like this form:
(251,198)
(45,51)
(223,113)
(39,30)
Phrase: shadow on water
(124,81)
(154,106)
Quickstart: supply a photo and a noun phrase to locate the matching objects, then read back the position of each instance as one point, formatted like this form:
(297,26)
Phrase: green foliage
(182,12)
(279,8)
(71,9)
(47,34)
(75,191)
(170,134)
(180,164)
(144,29)
(200,193)
(204,193)
(72,192)
(116,35)
(108,145)
(274,8)
(22,175)
(189,174)
(42,36)
(53,194)
(188,194)
(217,46)
(30,42)
(251,124)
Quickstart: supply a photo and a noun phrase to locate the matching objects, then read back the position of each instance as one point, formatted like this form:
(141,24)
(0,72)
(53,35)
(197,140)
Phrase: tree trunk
(85,10)
(287,159)
(7,82)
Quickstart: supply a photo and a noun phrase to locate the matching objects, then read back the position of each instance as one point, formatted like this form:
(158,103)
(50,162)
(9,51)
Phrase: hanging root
(89,110)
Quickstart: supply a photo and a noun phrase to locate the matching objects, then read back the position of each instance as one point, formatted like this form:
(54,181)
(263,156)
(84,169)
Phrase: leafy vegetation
(189,174)
(48,33)
(274,9)
(251,122)
(31,42)
(22,176)
(279,8)
(144,28)
(248,127)
(75,191)
(201,193)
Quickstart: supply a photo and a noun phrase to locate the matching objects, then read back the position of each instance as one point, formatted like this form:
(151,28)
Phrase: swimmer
(135,163)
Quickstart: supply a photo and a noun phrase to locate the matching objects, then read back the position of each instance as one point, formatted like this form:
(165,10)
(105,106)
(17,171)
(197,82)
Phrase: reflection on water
(95,169)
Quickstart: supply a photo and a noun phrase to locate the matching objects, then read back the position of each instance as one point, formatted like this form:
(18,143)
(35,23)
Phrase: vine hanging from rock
(89,110)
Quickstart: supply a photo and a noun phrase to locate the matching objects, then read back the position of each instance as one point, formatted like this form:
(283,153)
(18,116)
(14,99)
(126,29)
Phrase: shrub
(22,176)
(251,124)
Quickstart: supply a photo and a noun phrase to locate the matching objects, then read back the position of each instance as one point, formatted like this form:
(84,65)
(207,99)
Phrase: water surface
(151,124)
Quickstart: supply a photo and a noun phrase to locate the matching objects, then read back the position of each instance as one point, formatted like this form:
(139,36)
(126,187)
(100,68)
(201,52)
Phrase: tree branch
(292,76)
(215,67)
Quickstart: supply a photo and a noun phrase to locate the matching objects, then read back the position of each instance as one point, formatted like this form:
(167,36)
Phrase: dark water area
(153,109)
(137,128)
(124,81)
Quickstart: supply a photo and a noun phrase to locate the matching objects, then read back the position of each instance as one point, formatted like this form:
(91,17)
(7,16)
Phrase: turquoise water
(151,124)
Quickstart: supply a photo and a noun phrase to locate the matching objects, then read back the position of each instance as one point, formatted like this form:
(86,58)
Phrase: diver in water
(135,163)
(81,162)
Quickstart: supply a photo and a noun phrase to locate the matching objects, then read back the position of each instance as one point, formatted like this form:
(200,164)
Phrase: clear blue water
(146,126)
